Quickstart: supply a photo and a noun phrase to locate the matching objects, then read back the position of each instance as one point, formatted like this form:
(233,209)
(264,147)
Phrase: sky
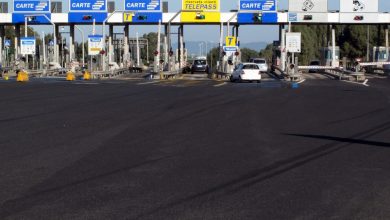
(248,33)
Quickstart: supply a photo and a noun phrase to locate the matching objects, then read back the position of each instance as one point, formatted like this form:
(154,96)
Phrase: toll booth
(327,58)
(379,54)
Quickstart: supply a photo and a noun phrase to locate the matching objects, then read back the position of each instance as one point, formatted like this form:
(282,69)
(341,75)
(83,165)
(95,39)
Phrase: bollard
(5,76)
(87,75)
(22,76)
(70,76)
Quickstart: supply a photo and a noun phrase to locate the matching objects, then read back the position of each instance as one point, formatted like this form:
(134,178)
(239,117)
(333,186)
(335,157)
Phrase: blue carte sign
(29,6)
(88,5)
(258,5)
(143,5)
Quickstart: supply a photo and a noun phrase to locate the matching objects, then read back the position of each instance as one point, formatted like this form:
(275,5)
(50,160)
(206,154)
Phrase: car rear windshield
(259,61)
(250,67)
(200,62)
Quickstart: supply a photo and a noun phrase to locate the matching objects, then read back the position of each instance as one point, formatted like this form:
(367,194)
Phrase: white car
(246,72)
(261,62)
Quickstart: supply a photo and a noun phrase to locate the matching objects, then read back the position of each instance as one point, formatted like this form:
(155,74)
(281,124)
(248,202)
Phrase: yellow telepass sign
(203,5)
(201,11)
(231,41)
(128,17)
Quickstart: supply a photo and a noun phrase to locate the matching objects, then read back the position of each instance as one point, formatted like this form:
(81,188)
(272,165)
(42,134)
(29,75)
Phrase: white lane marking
(221,84)
(146,83)
(303,80)
(363,84)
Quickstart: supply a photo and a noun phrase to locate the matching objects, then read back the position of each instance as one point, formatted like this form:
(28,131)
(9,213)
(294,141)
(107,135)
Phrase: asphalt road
(194,150)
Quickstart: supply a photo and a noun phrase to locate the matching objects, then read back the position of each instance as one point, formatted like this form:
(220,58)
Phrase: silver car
(261,62)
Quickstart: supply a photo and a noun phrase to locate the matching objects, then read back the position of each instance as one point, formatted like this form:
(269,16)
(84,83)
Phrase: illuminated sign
(359,6)
(201,5)
(258,5)
(231,41)
(143,5)
(88,5)
(31,6)
(27,45)
(308,5)
(95,44)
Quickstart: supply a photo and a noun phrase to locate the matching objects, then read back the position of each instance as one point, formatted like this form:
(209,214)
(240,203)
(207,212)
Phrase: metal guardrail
(110,74)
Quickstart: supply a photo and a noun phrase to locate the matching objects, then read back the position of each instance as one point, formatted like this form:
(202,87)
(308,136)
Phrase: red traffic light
(358,18)
(156,53)
(237,53)
(102,52)
(87,17)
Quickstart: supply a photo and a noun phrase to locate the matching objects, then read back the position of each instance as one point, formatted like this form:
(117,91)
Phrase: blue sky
(266,33)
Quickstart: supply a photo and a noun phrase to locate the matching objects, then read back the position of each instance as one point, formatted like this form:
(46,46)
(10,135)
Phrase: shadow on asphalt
(279,167)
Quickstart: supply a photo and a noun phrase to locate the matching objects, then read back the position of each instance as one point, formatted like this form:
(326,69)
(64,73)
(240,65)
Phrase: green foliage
(247,53)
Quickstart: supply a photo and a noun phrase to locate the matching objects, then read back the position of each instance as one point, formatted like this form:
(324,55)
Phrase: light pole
(54,30)
(25,35)
(83,39)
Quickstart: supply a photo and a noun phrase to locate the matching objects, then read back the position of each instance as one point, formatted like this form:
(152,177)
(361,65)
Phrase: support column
(334,64)
(387,41)
(181,54)
(368,44)
(110,46)
(126,55)
(56,44)
(166,50)
(71,43)
(237,28)
(169,47)
(17,41)
(2,36)
(283,52)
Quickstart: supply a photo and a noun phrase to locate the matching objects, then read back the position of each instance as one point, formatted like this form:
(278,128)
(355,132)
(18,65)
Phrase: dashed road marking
(147,83)
(220,84)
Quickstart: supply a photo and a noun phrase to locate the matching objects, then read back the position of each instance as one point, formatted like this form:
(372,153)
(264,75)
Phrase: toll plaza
(104,53)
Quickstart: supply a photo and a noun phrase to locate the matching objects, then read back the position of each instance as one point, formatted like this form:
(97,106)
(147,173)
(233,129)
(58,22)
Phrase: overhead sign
(203,5)
(88,5)
(27,45)
(142,17)
(359,6)
(293,42)
(95,44)
(31,6)
(231,41)
(308,5)
(86,17)
(128,17)
(257,18)
(143,5)
(258,5)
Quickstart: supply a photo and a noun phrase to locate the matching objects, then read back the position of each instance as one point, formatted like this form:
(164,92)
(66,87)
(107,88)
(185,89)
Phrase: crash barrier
(135,70)
(221,75)
(341,74)
(110,74)
(170,75)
